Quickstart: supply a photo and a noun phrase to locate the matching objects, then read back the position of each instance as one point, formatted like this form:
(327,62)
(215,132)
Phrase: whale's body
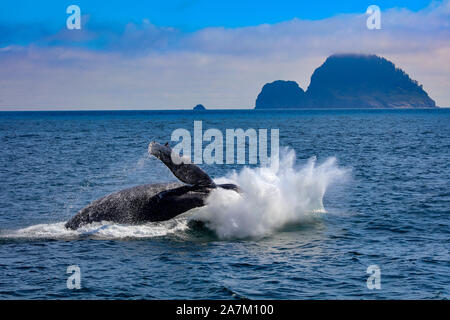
(152,202)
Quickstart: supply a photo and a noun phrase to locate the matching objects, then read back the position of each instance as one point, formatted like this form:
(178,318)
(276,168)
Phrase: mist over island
(348,81)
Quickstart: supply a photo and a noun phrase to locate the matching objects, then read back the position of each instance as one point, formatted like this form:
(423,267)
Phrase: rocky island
(348,81)
(199,107)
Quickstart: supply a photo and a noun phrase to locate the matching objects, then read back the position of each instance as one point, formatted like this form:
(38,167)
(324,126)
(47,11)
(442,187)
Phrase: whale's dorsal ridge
(186,172)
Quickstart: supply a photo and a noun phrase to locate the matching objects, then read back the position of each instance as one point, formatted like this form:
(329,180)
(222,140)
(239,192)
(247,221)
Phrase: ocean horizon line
(219,109)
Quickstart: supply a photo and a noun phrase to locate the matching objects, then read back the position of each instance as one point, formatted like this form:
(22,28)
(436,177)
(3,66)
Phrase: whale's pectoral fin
(182,168)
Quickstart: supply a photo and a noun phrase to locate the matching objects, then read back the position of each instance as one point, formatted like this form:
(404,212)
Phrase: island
(281,94)
(199,107)
(348,81)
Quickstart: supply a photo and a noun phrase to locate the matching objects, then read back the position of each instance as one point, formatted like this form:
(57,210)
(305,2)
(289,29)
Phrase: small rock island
(199,107)
(348,81)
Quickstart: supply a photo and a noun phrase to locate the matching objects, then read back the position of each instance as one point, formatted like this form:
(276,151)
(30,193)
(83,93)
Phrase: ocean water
(354,188)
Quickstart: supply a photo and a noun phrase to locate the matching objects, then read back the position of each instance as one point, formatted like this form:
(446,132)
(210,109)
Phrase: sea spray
(98,230)
(270,198)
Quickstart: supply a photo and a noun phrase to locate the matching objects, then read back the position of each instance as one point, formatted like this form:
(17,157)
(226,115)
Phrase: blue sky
(191,14)
(175,54)
(40,18)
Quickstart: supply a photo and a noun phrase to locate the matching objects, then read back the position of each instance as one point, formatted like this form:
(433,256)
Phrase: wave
(101,231)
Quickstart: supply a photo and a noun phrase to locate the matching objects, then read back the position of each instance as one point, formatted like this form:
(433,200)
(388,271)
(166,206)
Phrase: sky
(176,54)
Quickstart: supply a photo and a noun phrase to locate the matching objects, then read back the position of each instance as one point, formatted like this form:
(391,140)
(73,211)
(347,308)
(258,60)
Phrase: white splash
(270,198)
(101,231)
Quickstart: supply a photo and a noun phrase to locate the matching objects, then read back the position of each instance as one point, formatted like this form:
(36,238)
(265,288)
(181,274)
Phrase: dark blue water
(392,209)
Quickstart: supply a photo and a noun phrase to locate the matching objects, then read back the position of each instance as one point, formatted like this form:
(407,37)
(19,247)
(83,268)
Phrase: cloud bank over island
(143,66)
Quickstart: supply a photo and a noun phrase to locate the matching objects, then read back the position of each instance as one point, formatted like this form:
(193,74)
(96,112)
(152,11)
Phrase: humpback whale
(153,202)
